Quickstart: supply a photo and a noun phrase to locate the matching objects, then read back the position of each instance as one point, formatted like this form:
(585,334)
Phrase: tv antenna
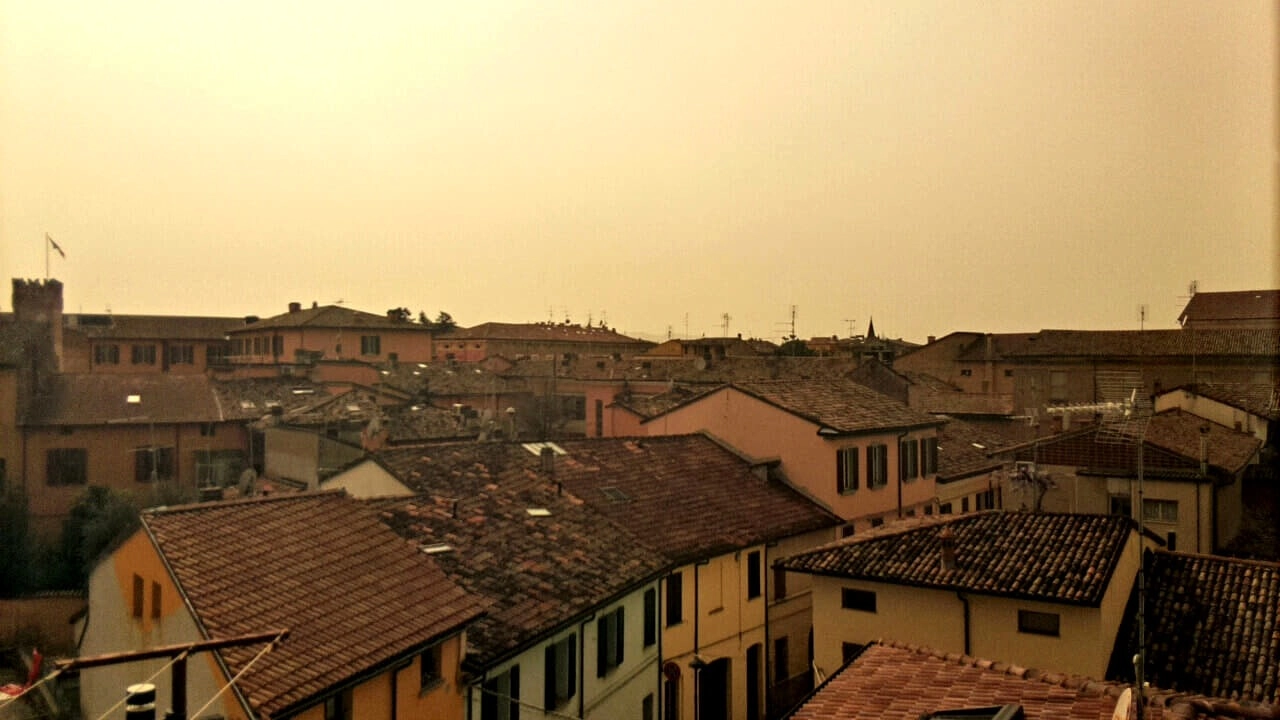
(724,324)
(1123,413)
(851,322)
(792,336)
(1142,316)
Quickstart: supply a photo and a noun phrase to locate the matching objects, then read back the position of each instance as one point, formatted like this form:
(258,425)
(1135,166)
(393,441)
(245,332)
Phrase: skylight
(437,548)
(536,448)
(538,512)
(247,405)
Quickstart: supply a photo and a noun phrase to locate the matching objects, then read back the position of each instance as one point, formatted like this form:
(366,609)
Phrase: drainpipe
(901,435)
(964,602)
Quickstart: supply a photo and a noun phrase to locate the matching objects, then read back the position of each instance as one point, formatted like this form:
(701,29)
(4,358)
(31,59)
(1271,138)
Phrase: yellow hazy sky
(936,165)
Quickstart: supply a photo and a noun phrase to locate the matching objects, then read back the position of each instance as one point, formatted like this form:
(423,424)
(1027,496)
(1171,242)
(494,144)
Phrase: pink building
(864,456)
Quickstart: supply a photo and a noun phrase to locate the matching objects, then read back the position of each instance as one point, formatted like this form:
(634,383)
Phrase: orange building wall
(808,460)
(409,345)
(111,461)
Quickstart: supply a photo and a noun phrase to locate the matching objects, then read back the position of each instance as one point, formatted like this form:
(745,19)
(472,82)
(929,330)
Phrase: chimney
(548,461)
(931,339)
(295,307)
(948,556)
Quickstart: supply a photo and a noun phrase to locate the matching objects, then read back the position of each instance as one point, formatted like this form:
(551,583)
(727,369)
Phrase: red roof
(354,596)
(899,682)
(1238,305)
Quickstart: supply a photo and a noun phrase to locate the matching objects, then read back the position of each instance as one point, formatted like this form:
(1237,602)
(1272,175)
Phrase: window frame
(755,578)
(142,354)
(674,587)
(848,473)
(1159,510)
(370,344)
(877,466)
(560,672)
(908,459)
(163,463)
(858,599)
(650,617)
(507,684)
(106,354)
(430,668)
(1037,622)
(610,641)
(928,456)
(62,463)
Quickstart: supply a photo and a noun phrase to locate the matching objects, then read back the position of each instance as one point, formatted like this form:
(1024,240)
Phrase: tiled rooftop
(539,332)
(1261,399)
(1213,627)
(330,316)
(150,327)
(353,595)
(539,572)
(1036,556)
(1137,343)
(841,405)
(686,496)
(672,499)
(1180,432)
(1238,305)
(899,682)
(959,454)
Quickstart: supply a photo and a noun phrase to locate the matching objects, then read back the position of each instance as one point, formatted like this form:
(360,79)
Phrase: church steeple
(871,329)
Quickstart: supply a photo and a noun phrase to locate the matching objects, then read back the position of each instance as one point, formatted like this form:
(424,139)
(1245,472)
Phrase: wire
(123,700)
(521,703)
(261,653)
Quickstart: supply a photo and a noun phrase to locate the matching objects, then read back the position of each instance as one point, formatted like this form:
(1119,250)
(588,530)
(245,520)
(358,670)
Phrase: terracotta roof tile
(1213,626)
(842,405)
(541,332)
(330,316)
(959,454)
(150,327)
(1238,305)
(899,682)
(1180,432)
(353,595)
(1261,399)
(1136,343)
(1051,557)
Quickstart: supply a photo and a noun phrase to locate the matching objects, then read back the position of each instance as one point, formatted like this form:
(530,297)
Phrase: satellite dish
(1124,706)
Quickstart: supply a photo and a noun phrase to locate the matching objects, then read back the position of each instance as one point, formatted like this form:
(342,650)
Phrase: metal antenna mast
(851,322)
(724,324)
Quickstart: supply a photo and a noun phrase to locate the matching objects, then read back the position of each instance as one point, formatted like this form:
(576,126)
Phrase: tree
(795,348)
(400,314)
(444,321)
(1034,482)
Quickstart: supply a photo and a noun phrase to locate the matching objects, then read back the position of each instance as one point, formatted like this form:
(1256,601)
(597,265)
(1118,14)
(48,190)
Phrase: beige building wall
(367,480)
(808,460)
(1214,411)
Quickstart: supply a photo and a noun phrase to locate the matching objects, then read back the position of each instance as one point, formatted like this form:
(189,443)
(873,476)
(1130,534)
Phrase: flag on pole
(55,246)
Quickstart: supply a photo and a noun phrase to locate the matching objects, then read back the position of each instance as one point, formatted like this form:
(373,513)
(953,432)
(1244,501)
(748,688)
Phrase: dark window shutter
(549,671)
(839,471)
(515,692)
(571,667)
(621,636)
(602,646)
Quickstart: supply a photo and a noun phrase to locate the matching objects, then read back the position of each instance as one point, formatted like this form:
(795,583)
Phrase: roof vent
(295,307)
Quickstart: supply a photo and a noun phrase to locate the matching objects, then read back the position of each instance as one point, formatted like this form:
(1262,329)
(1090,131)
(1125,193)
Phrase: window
(1057,386)
(928,509)
(338,707)
(1160,510)
(216,354)
(561,672)
(106,354)
(218,468)
(599,418)
(143,354)
(675,599)
(277,345)
(650,617)
(846,470)
(753,575)
(1008,373)
(849,651)
(864,600)
(779,583)
(781,651)
(877,522)
(964,504)
(67,466)
(966,372)
(908,460)
(609,642)
(501,696)
(1038,623)
(139,588)
(3,478)
(985,500)
(877,466)
(370,345)
(846,531)
(182,354)
(155,600)
(944,508)
(646,707)
(928,456)
(429,671)
(153,464)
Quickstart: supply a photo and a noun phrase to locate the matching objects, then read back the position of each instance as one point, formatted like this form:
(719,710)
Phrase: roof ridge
(279,497)
(1275,565)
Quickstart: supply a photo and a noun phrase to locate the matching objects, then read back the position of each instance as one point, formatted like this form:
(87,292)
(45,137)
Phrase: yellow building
(376,630)
(1039,590)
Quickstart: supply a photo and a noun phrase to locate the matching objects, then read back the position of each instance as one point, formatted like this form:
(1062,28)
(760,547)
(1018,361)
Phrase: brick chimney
(948,555)
(39,302)
(295,307)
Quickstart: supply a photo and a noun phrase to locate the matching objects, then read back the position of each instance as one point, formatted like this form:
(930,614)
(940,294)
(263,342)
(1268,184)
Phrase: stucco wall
(808,460)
